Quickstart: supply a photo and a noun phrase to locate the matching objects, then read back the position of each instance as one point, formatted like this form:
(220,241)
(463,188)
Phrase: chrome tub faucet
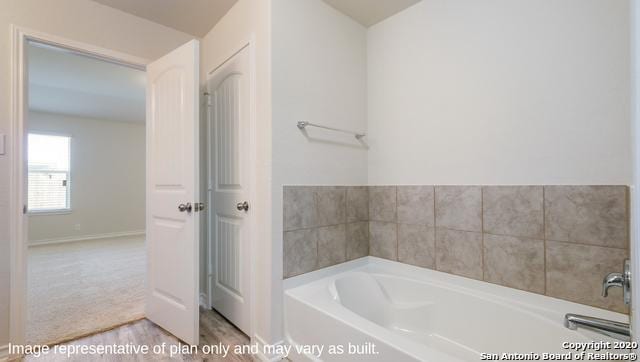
(609,328)
(622,280)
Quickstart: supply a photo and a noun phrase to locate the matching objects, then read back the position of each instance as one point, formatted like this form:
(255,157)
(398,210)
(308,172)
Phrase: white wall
(249,20)
(80,20)
(501,92)
(107,178)
(319,75)
(458,92)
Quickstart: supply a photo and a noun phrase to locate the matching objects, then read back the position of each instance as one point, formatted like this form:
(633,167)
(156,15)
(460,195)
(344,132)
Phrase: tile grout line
(585,244)
(544,238)
(369,217)
(322,226)
(482,228)
(315,205)
(397,226)
(435,240)
(346,219)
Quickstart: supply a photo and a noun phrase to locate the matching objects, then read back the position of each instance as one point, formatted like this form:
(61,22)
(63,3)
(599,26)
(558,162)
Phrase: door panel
(227,116)
(228,251)
(229,122)
(172,179)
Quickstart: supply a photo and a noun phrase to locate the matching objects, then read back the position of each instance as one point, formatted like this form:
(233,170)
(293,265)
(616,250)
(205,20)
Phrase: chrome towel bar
(305,124)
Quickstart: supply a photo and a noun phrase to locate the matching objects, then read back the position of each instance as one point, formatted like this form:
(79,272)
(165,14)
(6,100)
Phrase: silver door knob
(243,206)
(185,207)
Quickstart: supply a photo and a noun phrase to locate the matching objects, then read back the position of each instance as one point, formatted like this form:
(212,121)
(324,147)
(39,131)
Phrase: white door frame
(252,222)
(16,139)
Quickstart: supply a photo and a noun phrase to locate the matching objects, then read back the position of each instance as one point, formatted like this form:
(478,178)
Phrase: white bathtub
(416,314)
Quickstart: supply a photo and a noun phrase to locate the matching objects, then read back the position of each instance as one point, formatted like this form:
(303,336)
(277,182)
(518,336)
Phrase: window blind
(48,174)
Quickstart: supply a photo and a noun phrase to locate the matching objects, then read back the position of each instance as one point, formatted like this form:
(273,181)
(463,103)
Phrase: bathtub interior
(454,321)
(436,311)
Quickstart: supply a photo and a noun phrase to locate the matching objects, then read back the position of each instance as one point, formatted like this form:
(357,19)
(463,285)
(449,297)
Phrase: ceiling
(370,12)
(64,82)
(195,17)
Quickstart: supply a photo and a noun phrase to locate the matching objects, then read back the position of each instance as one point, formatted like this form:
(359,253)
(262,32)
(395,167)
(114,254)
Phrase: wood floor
(214,330)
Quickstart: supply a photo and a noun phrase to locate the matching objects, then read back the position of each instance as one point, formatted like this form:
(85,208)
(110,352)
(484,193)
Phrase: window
(48,166)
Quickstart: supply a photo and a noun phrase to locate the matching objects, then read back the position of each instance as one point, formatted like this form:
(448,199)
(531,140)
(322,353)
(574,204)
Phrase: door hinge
(24,209)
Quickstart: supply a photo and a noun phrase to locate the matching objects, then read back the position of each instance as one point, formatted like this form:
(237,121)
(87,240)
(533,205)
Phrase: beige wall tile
(416,245)
(383,241)
(357,240)
(415,205)
(514,211)
(332,245)
(299,207)
(300,252)
(514,262)
(357,203)
(575,272)
(511,216)
(459,207)
(331,205)
(382,203)
(595,215)
(459,252)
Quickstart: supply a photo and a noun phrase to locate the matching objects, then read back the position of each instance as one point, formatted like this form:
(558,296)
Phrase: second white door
(229,189)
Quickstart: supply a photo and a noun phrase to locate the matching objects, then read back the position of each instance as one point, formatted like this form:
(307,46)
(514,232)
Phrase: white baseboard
(86,237)
(204,301)
(265,357)
(4,353)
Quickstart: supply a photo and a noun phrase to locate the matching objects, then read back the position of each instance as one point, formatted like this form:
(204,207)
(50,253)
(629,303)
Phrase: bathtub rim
(374,265)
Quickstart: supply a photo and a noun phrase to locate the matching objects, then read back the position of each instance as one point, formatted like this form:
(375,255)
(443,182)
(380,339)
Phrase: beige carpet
(82,287)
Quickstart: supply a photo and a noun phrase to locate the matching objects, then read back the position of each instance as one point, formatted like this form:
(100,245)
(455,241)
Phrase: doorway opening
(85,210)
(172,205)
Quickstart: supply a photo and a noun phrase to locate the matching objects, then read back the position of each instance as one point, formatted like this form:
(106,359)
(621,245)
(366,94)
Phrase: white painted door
(230,245)
(172,180)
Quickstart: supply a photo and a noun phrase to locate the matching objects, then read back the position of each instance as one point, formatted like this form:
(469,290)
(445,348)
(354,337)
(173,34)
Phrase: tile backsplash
(324,226)
(554,240)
